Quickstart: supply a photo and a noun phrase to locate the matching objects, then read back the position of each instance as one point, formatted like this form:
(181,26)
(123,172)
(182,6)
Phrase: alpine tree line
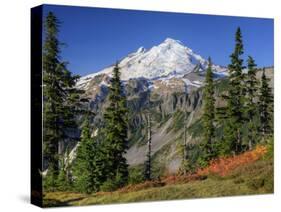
(99,162)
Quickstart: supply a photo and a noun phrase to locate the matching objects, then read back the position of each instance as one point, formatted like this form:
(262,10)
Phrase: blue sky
(98,37)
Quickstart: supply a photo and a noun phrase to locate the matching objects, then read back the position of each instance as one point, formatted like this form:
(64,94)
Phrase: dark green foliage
(221,85)
(115,141)
(250,102)
(100,163)
(50,180)
(193,158)
(60,98)
(109,185)
(208,143)
(242,117)
(52,99)
(63,181)
(265,105)
(88,165)
(234,113)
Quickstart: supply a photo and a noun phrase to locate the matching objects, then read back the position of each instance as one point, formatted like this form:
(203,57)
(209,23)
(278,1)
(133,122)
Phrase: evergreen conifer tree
(88,165)
(60,99)
(265,107)
(208,143)
(115,133)
(250,101)
(235,100)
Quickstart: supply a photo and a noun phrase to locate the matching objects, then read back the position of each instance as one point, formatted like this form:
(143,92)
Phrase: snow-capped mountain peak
(171,57)
(171,41)
(141,50)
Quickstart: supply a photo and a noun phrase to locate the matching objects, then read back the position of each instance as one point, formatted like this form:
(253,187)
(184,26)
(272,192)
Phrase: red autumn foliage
(222,166)
(180,179)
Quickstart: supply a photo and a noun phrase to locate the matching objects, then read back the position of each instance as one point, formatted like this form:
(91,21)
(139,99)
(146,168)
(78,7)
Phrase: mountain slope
(163,88)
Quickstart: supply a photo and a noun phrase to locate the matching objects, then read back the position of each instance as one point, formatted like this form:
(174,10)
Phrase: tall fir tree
(265,107)
(208,144)
(60,99)
(88,166)
(235,100)
(250,101)
(115,142)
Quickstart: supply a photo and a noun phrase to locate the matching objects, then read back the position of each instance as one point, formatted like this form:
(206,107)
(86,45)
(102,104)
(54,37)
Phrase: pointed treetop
(238,41)
(116,72)
(52,23)
(251,62)
(209,61)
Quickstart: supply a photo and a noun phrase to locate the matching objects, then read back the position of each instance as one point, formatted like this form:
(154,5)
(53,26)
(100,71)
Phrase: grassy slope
(254,178)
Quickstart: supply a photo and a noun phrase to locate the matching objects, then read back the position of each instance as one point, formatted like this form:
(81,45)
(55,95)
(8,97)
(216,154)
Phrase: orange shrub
(222,166)
(179,179)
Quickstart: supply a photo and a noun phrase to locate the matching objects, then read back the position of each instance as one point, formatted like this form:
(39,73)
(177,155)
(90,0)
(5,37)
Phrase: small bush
(135,176)
(109,185)
(50,181)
